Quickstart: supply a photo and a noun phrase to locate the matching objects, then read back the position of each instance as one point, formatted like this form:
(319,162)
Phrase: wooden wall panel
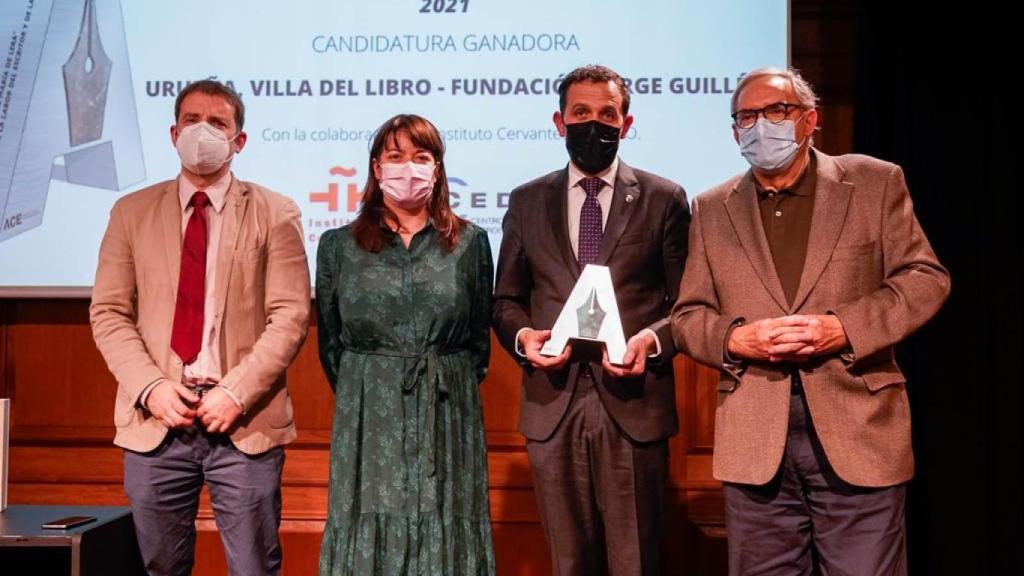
(62,408)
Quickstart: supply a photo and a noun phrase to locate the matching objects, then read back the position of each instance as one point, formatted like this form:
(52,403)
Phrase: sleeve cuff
(234,397)
(657,343)
(730,363)
(846,354)
(518,349)
(141,403)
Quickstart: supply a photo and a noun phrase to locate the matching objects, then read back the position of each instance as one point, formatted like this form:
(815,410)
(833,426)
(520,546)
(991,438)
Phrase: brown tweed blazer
(869,263)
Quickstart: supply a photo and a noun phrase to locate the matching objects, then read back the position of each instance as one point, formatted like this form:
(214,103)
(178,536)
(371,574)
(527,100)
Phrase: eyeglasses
(774,113)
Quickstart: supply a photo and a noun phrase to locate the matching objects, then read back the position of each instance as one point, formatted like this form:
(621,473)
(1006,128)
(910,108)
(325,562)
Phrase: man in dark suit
(597,432)
(807,269)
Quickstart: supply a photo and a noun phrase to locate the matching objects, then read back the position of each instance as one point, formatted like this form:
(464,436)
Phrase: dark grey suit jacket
(644,245)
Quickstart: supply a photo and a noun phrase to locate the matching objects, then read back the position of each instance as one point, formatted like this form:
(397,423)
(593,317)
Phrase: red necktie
(187,333)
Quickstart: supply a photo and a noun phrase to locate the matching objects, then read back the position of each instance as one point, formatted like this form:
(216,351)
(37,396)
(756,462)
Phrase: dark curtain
(937,93)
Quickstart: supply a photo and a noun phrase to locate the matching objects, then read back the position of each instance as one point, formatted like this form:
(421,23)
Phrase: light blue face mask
(770,146)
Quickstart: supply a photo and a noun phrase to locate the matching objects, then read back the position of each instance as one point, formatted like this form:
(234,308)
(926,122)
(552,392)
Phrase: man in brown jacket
(803,274)
(201,300)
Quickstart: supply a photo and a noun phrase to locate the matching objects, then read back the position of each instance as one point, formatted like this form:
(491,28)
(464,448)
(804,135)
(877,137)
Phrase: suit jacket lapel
(557,208)
(231,225)
(831,201)
(170,221)
(746,221)
(625,196)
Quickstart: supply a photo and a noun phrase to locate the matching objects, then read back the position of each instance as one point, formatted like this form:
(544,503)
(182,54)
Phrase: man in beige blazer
(200,302)
(803,274)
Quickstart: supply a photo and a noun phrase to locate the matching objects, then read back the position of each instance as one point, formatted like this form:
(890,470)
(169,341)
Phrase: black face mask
(592,145)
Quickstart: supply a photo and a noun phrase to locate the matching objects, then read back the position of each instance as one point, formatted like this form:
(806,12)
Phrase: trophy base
(583,349)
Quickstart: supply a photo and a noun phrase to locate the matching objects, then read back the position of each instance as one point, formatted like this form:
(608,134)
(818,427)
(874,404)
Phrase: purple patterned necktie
(590,222)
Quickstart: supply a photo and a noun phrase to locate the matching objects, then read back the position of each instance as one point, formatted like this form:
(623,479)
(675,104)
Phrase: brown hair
(370,229)
(213,88)
(592,73)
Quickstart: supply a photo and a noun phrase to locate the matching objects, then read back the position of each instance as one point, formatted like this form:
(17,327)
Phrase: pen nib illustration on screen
(86,76)
(70,125)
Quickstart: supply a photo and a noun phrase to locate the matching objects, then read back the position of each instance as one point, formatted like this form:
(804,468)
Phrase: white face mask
(408,185)
(770,146)
(202,148)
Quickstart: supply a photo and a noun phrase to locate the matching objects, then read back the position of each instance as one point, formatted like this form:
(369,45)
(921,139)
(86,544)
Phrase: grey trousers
(245,491)
(600,495)
(809,521)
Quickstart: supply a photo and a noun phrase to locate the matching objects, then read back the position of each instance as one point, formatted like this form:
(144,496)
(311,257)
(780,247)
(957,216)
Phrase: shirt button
(771,195)
(778,213)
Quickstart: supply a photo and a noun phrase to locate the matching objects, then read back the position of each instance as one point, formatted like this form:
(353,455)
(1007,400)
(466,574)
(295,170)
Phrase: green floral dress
(404,340)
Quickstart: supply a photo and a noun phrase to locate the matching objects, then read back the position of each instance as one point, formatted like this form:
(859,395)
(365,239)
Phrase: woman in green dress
(404,304)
